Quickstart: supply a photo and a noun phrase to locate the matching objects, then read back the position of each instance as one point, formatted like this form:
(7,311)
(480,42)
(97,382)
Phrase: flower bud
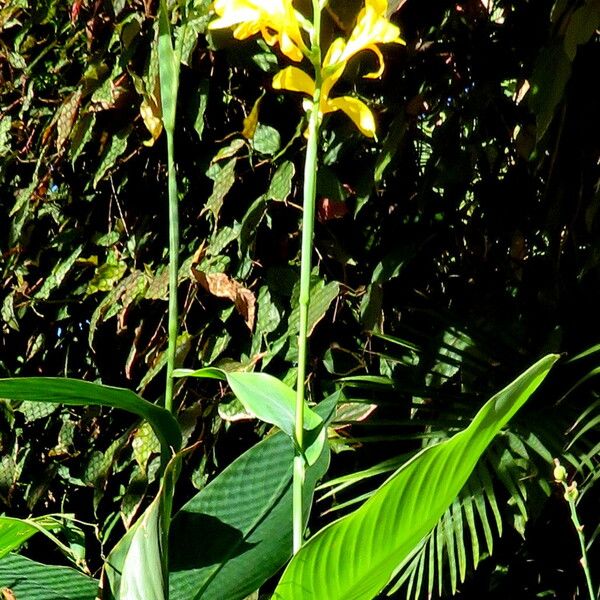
(560,473)
(571,492)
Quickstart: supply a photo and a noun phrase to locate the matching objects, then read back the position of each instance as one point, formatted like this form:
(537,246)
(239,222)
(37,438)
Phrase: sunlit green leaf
(270,400)
(347,560)
(15,532)
(74,392)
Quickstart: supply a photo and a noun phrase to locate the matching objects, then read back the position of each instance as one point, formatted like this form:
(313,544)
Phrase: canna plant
(226,541)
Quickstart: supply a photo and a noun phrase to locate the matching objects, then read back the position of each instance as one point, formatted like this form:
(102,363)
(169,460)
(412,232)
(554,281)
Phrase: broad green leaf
(354,558)
(237,532)
(142,577)
(136,568)
(29,580)
(73,392)
(271,401)
(15,532)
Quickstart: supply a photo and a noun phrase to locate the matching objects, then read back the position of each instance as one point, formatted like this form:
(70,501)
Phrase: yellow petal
(276,20)
(245,30)
(289,48)
(372,27)
(333,66)
(379,6)
(335,53)
(357,110)
(251,121)
(151,115)
(377,51)
(294,80)
(232,12)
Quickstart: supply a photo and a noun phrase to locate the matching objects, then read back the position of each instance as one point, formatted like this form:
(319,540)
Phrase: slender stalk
(173,270)
(579,528)
(308,219)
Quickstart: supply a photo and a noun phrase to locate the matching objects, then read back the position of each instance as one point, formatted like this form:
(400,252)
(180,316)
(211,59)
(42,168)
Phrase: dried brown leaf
(222,286)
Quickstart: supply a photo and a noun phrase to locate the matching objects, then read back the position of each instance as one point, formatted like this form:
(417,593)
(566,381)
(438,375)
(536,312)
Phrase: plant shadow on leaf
(218,540)
(249,505)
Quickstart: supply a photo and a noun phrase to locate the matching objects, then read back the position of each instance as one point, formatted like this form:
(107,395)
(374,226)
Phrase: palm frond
(436,382)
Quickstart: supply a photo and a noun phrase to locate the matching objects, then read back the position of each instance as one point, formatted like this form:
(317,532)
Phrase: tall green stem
(168,64)
(308,219)
(173,270)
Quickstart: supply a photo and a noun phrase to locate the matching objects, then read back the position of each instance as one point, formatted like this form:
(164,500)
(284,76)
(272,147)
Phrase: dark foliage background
(450,253)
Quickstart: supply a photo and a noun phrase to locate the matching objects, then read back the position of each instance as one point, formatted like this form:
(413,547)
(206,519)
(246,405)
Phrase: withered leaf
(222,286)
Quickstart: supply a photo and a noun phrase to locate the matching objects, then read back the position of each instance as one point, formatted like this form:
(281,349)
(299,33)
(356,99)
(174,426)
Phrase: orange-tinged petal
(357,110)
(294,80)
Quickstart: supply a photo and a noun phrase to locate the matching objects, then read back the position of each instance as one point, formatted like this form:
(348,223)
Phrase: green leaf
(5,137)
(321,297)
(266,140)
(29,580)
(58,274)
(73,392)
(391,145)
(168,68)
(196,17)
(355,557)
(582,25)
(116,147)
(224,178)
(281,184)
(136,569)
(549,79)
(15,532)
(200,102)
(237,532)
(271,401)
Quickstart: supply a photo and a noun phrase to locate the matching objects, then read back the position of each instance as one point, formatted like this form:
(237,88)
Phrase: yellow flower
(371,28)
(296,80)
(275,20)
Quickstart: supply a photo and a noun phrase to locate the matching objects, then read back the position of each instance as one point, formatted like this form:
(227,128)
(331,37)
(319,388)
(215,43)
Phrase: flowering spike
(279,23)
